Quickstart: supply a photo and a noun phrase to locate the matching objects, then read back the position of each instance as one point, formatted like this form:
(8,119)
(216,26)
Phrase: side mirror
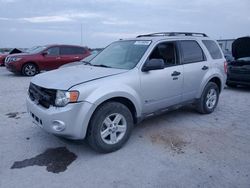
(153,64)
(44,53)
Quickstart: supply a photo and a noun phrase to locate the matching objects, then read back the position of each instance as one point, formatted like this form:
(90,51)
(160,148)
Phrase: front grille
(42,96)
(7,59)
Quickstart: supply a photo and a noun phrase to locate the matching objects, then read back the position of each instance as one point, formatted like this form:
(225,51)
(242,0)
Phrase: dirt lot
(178,149)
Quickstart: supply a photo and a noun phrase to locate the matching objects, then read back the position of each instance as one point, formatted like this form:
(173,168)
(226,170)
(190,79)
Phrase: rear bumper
(238,82)
(241,79)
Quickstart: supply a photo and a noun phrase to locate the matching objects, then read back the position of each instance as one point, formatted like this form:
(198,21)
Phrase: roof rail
(172,34)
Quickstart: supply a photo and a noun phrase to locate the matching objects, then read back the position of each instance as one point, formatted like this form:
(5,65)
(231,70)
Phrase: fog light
(58,126)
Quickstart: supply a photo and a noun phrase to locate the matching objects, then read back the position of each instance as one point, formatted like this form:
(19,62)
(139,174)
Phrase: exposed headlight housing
(65,97)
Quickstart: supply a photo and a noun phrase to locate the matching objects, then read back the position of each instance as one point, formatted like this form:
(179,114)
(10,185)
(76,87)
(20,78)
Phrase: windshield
(121,54)
(89,58)
(37,49)
(32,48)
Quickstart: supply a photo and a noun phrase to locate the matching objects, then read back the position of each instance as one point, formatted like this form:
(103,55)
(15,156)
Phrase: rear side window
(191,52)
(213,49)
(79,50)
(71,50)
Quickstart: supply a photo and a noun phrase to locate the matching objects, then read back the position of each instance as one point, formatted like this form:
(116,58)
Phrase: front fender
(103,94)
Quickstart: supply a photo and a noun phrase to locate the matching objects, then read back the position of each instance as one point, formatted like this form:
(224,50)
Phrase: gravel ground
(178,149)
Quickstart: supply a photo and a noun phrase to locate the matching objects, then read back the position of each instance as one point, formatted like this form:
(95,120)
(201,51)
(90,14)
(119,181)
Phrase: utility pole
(81,36)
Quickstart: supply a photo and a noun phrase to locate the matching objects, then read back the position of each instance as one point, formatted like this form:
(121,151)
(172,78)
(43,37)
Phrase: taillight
(225,67)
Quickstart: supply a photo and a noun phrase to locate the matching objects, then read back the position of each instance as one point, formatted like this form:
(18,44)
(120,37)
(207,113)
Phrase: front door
(51,58)
(162,88)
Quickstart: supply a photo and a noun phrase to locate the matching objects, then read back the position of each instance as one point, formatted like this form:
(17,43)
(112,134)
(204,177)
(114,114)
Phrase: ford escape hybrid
(128,81)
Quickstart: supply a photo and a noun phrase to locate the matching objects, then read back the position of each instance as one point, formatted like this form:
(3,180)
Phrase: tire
(231,85)
(29,69)
(209,99)
(110,127)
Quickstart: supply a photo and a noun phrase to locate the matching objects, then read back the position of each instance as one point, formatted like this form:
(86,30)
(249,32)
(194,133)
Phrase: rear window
(191,52)
(71,50)
(213,49)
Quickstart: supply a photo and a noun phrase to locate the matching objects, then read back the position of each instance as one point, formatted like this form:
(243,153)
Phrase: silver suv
(130,80)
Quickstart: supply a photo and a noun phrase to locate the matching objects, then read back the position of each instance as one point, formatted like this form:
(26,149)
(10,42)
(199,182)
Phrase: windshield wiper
(87,63)
(101,65)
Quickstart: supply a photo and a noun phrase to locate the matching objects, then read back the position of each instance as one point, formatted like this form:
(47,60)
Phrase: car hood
(65,78)
(18,55)
(71,64)
(241,47)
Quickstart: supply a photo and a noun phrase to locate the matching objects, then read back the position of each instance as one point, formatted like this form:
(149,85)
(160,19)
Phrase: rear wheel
(110,127)
(29,69)
(209,99)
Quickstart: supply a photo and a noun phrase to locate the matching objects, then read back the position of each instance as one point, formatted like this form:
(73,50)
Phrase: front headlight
(15,59)
(65,97)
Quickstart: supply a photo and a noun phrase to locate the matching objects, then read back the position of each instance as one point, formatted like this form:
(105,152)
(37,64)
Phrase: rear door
(70,54)
(195,67)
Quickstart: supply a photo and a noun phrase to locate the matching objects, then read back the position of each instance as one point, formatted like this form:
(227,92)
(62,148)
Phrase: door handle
(58,58)
(205,67)
(175,73)
(76,57)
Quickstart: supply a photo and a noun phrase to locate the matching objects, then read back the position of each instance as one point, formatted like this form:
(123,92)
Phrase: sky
(96,23)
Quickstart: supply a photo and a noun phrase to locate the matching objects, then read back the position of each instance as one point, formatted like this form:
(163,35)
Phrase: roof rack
(169,34)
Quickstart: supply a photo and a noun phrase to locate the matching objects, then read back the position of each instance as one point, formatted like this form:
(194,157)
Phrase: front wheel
(110,127)
(209,99)
(29,69)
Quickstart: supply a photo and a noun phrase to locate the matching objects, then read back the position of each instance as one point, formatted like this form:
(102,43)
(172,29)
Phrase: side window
(165,51)
(53,51)
(69,50)
(191,52)
(79,50)
(213,49)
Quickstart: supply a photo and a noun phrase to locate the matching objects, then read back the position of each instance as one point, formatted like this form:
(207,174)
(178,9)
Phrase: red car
(2,58)
(44,58)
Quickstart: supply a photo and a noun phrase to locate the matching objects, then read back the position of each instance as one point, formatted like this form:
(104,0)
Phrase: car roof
(62,45)
(171,35)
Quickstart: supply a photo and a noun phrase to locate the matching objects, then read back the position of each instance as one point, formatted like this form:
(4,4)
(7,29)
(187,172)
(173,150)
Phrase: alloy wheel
(211,98)
(30,70)
(113,128)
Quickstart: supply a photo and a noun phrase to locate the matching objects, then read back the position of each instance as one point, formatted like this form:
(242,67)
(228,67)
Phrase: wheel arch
(123,100)
(215,79)
(31,62)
